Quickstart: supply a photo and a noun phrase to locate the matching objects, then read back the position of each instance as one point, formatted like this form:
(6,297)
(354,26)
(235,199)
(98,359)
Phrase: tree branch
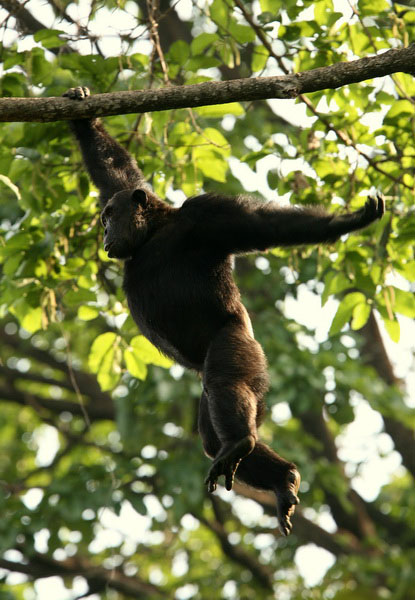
(374,354)
(86,383)
(208,93)
(305,529)
(98,578)
(356,521)
(28,24)
(237,554)
(95,412)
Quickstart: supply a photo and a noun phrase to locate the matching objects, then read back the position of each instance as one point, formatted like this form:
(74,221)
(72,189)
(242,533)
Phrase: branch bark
(237,554)
(86,383)
(208,93)
(27,24)
(304,529)
(374,354)
(355,521)
(98,578)
(93,411)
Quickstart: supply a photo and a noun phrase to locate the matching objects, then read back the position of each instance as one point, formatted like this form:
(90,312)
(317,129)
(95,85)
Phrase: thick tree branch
(94,411)
(28,24)
(237,554)
(208,93)
(85,382)
(356,521)
(98,578)
(305,529)
(13,375)
(374,354)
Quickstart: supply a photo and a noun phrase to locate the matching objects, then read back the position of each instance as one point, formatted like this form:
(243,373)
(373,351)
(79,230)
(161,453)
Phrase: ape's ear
(139,197)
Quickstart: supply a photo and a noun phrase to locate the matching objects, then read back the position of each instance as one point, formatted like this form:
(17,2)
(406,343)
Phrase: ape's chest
(179,302)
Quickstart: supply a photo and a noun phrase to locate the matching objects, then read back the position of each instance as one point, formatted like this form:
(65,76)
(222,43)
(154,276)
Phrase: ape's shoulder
(209,204)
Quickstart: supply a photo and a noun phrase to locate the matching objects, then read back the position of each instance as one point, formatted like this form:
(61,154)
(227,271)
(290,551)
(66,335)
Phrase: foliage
(101,466)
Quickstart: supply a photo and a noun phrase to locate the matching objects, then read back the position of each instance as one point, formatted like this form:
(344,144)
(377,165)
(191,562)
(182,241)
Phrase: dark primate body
(181,293)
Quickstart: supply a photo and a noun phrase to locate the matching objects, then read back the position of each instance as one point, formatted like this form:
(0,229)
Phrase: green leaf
(30,317)
(373,7)
(179,52)
(38,66)
(393,329)
(334,283)
(216,111)
(241,33)
(102,360)
(203,41)
(403,302)
(87,313)
(136,366)
(322,9)
(330,170)
(345,311)
(49,38)
(361,313)
(401,109)
(273,178)
(210,164)
(408,270)
(79,296)
(32,320)
(219,141)
(100,347)
(259,58)
(147,353)
(272,6)
(219,13)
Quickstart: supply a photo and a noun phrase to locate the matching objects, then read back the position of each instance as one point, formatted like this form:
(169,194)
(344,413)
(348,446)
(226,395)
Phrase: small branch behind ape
(236,553)
(210,93)
(153,17)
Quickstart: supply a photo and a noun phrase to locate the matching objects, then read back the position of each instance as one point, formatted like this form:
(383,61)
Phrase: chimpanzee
(181,293)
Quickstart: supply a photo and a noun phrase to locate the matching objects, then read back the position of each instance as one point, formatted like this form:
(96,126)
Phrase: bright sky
(362,442)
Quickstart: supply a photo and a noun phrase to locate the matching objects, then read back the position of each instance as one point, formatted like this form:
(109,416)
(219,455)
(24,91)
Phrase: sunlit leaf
(147,353)
(345,311)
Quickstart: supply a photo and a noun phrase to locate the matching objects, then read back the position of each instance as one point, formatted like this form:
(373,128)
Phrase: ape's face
(125,223)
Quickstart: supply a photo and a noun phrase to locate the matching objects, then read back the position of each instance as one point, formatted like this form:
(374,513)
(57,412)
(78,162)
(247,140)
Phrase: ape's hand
(77,93)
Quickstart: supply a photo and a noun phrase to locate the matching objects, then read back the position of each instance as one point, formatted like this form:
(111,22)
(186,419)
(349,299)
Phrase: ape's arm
(235,225)
(110,166)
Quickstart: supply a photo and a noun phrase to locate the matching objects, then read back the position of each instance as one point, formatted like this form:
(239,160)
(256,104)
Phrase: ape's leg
(230,411)
(262,469)
(234,379)
(210,441)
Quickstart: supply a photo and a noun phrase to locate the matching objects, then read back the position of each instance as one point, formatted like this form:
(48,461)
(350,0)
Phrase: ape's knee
(211,445)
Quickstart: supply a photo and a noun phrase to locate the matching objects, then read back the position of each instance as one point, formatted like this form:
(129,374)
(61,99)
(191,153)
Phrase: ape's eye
(105,216)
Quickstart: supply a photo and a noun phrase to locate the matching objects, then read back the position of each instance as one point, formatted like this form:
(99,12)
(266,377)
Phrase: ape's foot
(77,93)
(227,461)
(286,500)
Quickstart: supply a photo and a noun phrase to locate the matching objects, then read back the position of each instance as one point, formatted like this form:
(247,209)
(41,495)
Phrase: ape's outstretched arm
(111,167)
(234,225)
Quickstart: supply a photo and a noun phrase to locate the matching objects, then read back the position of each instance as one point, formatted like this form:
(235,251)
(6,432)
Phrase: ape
(181,293)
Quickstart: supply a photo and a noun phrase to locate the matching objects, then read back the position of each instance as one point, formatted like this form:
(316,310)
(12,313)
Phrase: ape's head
(126,218)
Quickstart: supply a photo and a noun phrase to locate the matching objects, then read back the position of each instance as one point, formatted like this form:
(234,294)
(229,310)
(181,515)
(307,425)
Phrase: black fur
(181,293)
